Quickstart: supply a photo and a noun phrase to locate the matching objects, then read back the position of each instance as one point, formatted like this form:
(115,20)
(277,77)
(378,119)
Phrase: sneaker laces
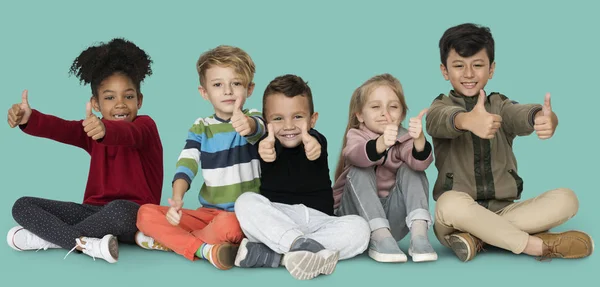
(34,240)
(550,251)
(87,248)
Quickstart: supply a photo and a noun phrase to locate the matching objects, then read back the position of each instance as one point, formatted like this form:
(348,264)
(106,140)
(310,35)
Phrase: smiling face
(468,75)
(222,87)
(288,115)
(118,98)
(381,108)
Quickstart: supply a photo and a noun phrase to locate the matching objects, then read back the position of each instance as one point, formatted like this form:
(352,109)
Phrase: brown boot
(568,244)
(464,245)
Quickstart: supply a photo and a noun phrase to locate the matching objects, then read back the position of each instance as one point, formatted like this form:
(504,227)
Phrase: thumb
(388,118)
(547,108)
(88,110)
(422,113)
(305,135)
(481,100)
(24,99)
(237,106)
(271,134)
(172,203)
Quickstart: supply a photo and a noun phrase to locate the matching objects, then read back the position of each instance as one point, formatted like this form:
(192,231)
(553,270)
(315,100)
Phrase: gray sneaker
(308,259)
(386,250)
(255,254)
(421,250)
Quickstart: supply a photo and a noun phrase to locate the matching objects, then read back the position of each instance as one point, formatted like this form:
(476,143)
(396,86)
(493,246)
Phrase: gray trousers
(408,200)
(277,225)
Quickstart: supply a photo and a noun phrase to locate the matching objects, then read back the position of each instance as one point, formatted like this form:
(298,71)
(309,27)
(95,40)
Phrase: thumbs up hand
(19,113)
(415,130)
(92,125)
(312,148)
(482,123)
(174,213)
(243,124)
(544,123)
(266,147)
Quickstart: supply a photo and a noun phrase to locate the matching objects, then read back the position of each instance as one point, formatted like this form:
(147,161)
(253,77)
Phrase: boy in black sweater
(291,223)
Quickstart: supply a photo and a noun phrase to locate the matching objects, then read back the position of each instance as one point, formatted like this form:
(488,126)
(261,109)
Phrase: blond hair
(227,56)
(357,102)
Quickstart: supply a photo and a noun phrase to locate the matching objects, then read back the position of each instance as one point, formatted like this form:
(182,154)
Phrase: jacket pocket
(449,182)
(518,180)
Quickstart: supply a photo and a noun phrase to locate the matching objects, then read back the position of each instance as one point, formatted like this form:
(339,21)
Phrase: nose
(228,90)
(288,125)
(468,72)
(120,102)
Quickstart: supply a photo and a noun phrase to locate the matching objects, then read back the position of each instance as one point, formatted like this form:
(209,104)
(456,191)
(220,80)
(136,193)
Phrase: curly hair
(97,63)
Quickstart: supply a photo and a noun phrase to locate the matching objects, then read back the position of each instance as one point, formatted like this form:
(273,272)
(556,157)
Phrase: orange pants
(203,225)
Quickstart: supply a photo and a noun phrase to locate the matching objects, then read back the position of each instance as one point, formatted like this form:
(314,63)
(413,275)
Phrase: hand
(241,122)
(92,125)
(266,147)
(19,114)
(390,133)
(545,124)
(415,125)
(482,123)
(312,148)
(174,213)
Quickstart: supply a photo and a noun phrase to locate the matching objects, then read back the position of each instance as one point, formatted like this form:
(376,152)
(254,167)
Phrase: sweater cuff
(372,151)
(423,155)
(532,114)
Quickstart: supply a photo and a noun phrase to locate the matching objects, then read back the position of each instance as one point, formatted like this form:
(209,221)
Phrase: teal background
(335,46)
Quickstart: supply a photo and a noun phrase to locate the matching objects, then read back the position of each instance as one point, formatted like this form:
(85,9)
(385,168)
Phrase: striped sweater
(229,162)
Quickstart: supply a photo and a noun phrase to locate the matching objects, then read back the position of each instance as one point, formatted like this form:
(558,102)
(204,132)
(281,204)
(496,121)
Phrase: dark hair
(467,40)
(97,63)
(291,86)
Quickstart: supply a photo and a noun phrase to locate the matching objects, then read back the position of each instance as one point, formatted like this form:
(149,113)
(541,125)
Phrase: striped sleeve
(260,126)
(189,158)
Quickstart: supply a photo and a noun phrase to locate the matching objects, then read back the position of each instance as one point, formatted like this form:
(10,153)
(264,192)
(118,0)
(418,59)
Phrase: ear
(140,100)
(359,117)
(313,120)
(250,89)
(444,72)
(95,103)
(203,92)
(492,69)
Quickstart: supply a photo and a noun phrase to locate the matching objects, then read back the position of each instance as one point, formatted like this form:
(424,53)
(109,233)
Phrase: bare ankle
(534,246)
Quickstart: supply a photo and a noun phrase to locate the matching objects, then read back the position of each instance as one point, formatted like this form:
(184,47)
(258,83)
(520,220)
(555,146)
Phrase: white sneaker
(106,248)
(21,239)
(147,242)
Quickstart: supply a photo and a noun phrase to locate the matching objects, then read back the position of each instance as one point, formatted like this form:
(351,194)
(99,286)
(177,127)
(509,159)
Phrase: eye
(217,85)
(457,66)
(374,107)
(130,97)
(298,117)
(478,65)
(276,119)
(237,84)
(394,107)
(108,98)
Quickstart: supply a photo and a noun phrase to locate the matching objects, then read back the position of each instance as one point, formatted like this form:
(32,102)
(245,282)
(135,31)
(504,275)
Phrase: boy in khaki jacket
(478,183)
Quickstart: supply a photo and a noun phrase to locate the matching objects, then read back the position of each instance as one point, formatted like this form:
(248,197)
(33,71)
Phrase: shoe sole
(387,258)
(305,265)
(225,255)
(110,248)
(422,257)
(460,247)
(241,253)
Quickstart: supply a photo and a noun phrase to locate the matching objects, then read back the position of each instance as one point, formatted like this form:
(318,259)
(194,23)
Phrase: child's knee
(452,205)
(20,205)
(228,227)
(566,202)
(247,202)
(146,213)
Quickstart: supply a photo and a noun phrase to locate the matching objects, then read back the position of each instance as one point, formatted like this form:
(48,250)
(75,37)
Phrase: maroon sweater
(126,164)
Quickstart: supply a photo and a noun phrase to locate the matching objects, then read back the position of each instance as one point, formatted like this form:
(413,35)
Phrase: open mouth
(120,116)
(469,85)
(289,136)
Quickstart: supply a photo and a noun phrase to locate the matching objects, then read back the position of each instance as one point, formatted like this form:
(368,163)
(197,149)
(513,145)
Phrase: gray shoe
(308,259)
(386,250)
(254,254)
(421,250)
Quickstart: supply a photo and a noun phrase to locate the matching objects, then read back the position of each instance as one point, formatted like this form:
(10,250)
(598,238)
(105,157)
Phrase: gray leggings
(62,222)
